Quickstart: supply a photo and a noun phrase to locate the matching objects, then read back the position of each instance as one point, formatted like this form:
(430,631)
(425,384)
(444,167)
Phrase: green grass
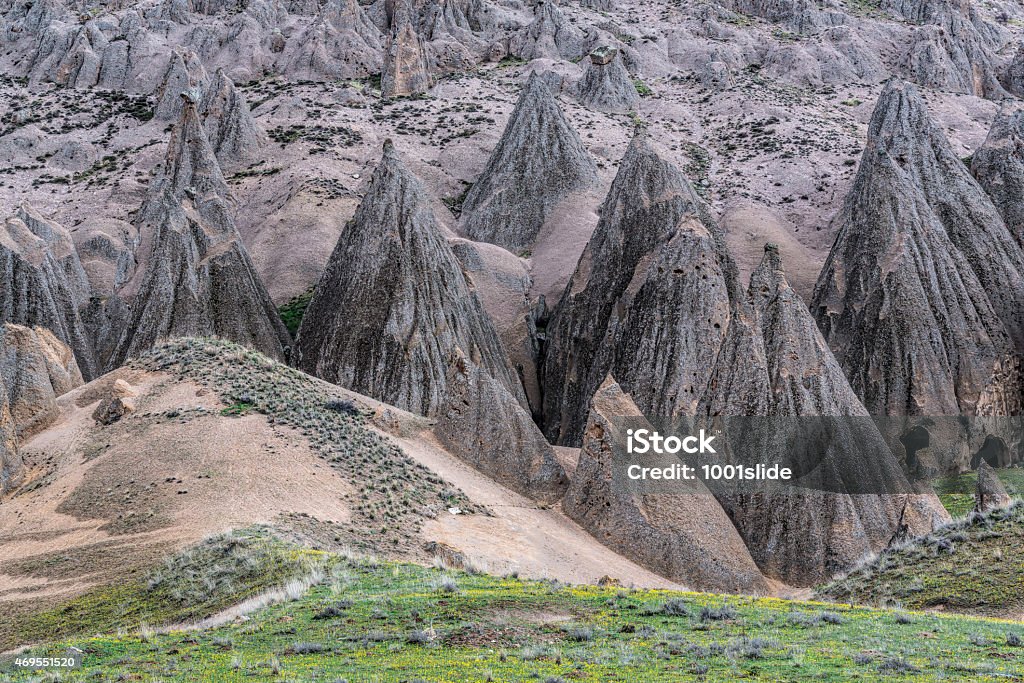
(975,565)
(292,312)
(957,492)
(215,574)
(381,621)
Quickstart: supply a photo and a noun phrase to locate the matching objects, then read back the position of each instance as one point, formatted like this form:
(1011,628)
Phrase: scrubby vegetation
(394,495)
(975,565)
(292,312)
(365,620)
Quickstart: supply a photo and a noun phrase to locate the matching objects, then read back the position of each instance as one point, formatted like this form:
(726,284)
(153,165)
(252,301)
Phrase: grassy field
(975,565)
(957,493)
(358,619)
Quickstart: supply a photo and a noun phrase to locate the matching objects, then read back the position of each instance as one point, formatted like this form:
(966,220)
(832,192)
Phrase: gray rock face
(481,422)
(549,36)
(341,42)
(952,47)
(36,368)
(998,166)
(686,537)
(1013,76)
(235,137)
(11,464)
(394,304)
(920,297)
(538,162)
(405,61)
(648,303)
(184,74)
(606,85)
(990,494)
(42,282)
(776,363)
(196,278)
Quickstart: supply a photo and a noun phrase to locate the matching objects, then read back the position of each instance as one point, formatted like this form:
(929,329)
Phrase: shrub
(723,613)
(675,608)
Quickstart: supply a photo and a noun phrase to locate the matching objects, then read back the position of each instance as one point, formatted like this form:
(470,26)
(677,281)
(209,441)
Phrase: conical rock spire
(920,297)
(184,74)
(393,304)
(406,71)
(538,162)
(999,166)
(606,85)
(196,278)
(233,134)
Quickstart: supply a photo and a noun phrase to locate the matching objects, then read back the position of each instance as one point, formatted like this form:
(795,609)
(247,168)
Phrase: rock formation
(549,36)
(184,74)
(606,85)
(195,278)
(393,303)
(42,282)
(1013,76)
(648,303)
(235,137)
(538,162)
(921,295)
(998,166)
(341,42)
(119,401)
(683,535)
(405,62)
(481,422)
(11,465)
(775,364)
(990,493)
(36,368)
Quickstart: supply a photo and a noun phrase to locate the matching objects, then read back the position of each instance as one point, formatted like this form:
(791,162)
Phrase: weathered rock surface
(538,162)
(648,303)
(686,537)
(36,368)
(234,135)
(406,71)
(119,402)
(42,282)
(481,422)
(185,74)
(11,464)
(1013,76)
(998,166)
(394,304)
(606,85)
(990,494)
(196,278)
(340,42)
(549,36)
(775,363)
(920,297)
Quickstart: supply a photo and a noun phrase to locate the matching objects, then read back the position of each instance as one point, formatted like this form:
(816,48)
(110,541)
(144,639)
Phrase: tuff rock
(184,74)
(648,302)
(685,535)
(195,278)
(481,422)
(990,494)
(393,303)
(406,71)
(920,297)
(234,135)
(11,464)
(998,166)
(539,161)
(549,36)
(606,85)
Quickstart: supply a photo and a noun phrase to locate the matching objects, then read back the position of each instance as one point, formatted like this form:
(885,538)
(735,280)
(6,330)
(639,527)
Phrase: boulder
(990,494)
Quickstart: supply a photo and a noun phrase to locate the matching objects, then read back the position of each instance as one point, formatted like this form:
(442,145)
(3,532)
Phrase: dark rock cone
(990,493)
(11,464)
(1013,77)
(649,301)
(235,137)
(405,61)
(924,280)
(196,278)
(549,36)
(42,282)
(999,166)
(36,368)
(606,85)
(538,162)
(393,303)
(185,74)
(684,536)
(776,364)
(484,424)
